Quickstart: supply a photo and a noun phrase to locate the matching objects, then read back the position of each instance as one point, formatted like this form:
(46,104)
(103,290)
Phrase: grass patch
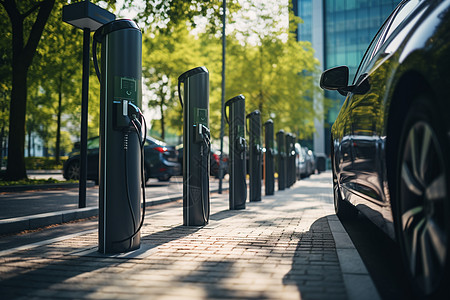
(43,163)
(34,182)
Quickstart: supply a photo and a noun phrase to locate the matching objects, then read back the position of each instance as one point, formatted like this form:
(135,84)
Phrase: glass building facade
(350,26)
(347,28)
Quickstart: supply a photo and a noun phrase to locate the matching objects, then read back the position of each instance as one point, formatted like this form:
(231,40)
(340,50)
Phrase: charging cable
(135,114)
(204,169)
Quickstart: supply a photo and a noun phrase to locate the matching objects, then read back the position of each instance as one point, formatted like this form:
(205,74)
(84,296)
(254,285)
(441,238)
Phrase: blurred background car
(305,161)
(214,161)
(390,141)
(300,161)
(160,161)
(310,161)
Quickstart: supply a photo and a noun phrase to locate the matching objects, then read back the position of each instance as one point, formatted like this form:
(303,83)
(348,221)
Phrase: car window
(371,50)
(393,21)
(400,16)
(152,141)
(93,143)
(394,39)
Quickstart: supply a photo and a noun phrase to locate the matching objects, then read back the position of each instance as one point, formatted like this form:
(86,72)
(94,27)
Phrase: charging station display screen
(125,88)
(201,116)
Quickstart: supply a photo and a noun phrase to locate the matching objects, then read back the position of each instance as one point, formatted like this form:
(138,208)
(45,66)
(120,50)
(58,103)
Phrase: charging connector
(200,132)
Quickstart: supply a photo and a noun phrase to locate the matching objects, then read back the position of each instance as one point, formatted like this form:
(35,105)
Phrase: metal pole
(84,118)
(222,119)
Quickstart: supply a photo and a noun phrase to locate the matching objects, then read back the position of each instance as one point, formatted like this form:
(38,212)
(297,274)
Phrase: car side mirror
(335,78)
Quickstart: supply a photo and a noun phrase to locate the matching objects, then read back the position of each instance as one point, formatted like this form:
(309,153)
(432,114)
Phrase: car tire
(165,177)
(73,170)
(421,214)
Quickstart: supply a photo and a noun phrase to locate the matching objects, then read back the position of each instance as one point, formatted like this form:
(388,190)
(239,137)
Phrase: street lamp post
(88,17)
(222,119)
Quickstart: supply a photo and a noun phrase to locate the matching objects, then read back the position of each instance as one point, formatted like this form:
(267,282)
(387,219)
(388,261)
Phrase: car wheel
(422,213)
(73,170)
(165,177)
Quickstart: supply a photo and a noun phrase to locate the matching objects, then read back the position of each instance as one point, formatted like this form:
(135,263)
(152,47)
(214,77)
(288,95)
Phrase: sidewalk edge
(18,224)
(357,279)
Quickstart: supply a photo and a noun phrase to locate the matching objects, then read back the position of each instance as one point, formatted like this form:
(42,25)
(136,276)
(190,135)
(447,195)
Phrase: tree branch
(46,7)
(12,11)
(31,10)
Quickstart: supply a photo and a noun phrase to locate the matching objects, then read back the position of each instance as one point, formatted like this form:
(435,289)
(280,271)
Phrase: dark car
(214,161)
(391,140)
(161,161)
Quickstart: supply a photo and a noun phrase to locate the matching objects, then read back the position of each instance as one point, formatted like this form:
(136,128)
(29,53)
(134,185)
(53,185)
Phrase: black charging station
(281,160)
(291,168)
(196,146)
(289,144)
(269,180)
(238,152)
(121,186)
(255,154)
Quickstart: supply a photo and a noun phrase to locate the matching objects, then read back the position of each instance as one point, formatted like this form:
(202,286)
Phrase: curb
(18,224)
(357,279)
(37,187)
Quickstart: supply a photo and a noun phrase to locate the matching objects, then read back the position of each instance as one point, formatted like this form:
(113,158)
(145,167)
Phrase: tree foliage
(265,63)
(40,68)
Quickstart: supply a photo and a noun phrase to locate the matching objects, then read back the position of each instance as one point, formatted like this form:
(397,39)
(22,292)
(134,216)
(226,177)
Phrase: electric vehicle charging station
(293,166)
(281,160)
(287,159)
(268,165)
(121,141)
(197,146)
(238,151)
(254,129)
(292,159)
(289,146)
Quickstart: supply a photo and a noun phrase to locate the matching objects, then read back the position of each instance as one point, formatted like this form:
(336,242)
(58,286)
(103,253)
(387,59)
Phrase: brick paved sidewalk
(279,248)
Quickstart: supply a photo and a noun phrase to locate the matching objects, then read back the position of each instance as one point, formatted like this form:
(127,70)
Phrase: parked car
(214,161)
(161,160)
(391,140)
(310,162)
(305,161)
(300,161)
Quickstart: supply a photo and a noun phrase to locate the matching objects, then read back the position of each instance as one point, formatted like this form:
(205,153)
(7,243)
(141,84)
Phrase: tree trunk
(21,60)
(15,168)
(58,122)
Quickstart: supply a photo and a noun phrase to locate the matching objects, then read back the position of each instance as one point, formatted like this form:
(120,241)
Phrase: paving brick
(279,248)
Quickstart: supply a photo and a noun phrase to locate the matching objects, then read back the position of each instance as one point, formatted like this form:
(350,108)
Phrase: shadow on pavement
(315,266)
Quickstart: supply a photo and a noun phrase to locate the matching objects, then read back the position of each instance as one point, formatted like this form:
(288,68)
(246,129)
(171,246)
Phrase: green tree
(27,24)
(271,69)
(264,63)
(57,69)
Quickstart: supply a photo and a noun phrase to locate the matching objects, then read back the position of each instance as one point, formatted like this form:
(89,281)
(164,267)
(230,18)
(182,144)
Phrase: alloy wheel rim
(423,192)
(74,171)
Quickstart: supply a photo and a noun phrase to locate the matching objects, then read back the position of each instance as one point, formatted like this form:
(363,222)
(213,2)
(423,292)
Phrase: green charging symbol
(201,116)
